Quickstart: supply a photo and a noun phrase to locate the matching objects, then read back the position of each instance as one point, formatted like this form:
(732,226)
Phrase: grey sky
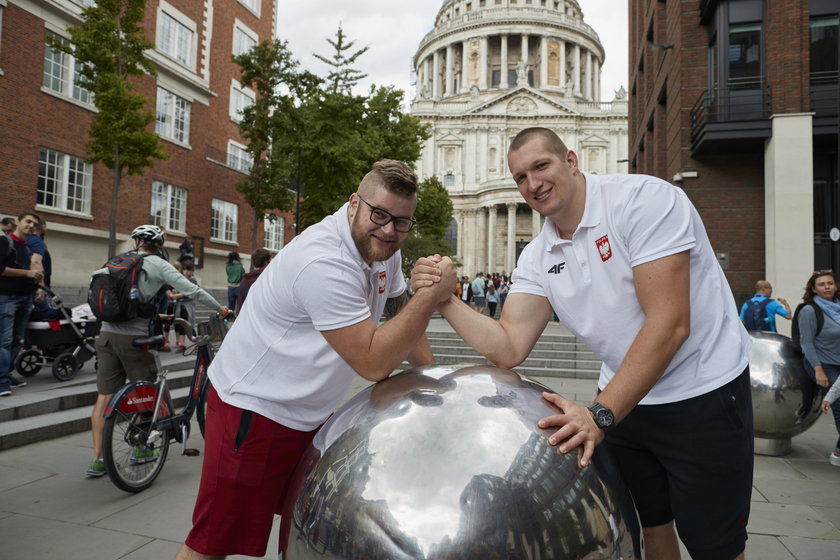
(394,28)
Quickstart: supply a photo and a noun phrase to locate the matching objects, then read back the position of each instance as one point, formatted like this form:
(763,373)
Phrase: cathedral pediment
(522,101)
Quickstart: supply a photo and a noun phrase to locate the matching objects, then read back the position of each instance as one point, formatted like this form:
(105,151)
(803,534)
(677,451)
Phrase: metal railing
(730,105)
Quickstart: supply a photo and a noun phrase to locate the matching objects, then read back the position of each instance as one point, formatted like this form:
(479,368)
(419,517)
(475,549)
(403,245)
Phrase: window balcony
(734,119)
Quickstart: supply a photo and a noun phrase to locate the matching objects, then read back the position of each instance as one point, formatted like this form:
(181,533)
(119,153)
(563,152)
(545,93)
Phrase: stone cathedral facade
(487,70)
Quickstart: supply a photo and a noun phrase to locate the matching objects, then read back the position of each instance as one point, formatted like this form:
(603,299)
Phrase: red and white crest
(382,277)
(604,248)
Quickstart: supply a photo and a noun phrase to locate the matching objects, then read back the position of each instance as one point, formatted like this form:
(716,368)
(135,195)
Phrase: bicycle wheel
(201,408)
(133,459)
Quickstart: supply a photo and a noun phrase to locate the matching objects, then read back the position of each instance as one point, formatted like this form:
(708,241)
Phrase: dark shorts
(117,360)
(248,461)
(692,461)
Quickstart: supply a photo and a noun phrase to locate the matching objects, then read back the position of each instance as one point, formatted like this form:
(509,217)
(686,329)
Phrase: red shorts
(248,461)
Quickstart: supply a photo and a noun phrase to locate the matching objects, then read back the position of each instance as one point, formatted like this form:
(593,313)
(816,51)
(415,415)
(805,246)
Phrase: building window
(449,180)
(252,5)
(239,158)
(240,99)
(275,227)
(173,116)
(824,49)
(175,38)
(169,206)
(744,55)
(224,221)
(61,74)
(64,182)
(243,38)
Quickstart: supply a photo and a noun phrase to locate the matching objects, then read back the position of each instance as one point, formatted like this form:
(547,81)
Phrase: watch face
(604,418)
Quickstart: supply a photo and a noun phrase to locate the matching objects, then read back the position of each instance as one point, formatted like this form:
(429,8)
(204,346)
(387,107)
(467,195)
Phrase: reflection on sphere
(446,462)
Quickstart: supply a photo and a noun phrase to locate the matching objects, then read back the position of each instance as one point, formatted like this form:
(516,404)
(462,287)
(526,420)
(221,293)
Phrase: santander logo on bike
(140,400)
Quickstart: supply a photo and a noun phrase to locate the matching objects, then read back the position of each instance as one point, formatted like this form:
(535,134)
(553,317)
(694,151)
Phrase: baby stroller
(67,342)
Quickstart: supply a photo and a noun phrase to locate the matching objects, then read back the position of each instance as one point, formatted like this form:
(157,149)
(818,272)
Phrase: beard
(364,243)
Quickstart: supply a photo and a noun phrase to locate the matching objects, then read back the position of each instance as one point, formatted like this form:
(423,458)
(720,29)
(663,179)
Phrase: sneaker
(145,455)
(15,382)
(166,347)
(96,468)
(834,458)
(180,349)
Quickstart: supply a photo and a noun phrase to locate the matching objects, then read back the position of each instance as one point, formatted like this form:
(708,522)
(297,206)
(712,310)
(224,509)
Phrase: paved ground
(49,511)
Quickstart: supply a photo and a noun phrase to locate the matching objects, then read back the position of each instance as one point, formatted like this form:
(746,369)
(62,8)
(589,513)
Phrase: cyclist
(117,358)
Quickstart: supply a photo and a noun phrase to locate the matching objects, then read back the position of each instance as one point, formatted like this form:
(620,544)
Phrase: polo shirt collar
(591,211)
(343,218)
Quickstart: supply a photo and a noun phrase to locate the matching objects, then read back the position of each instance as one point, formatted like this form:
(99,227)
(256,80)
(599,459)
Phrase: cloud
(393,29)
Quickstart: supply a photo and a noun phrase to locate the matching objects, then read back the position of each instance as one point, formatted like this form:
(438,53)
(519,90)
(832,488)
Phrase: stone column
(450,68)
(576,69)
(536,223)
(597,77)
(491,239)
(525,47)
(562,64)
(503,79)
(428,77)
(543,61)
(465,66)
(468,250)
(482,69)
(436,75)
(481,238)
(510,257)
(587,84)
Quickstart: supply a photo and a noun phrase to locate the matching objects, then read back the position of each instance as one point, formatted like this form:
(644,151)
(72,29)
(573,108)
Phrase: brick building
(44,121)
(737,102)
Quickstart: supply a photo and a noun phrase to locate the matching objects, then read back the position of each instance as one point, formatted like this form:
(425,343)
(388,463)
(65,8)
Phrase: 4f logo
(557,268)
(382,277)
(604,248)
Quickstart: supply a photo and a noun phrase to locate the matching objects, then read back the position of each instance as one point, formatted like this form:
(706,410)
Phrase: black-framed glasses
(382,217)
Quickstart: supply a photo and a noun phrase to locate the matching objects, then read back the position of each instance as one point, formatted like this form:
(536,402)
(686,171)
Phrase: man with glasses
(309,325)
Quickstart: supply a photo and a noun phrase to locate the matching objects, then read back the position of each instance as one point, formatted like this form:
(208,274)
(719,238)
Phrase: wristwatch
(602,415)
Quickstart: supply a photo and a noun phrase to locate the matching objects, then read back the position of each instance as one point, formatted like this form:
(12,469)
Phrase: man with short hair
(759,312)
(18,281)
(625,262)
(309,326)
(118,359)
(478,286)
(7,225)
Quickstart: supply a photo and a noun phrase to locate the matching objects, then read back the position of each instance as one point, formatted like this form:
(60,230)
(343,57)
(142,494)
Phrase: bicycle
(140,419)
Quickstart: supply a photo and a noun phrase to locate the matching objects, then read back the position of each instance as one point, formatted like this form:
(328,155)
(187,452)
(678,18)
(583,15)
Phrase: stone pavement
(49,511)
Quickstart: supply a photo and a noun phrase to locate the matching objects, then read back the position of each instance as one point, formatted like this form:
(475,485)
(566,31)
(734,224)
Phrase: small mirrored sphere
(447,462)
(785,400)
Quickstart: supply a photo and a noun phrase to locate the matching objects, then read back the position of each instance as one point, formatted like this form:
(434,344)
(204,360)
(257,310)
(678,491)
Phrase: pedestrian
(479,284)
(492,300)
(8,225)
(18,281)
(186,249)
(821,345)
(235,271)
(309,325)
(759,312)
(504,288)
(117,357)
(626,263)
(184,307)
(259,260)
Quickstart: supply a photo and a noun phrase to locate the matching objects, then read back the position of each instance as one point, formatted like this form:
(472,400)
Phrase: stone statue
(521,73)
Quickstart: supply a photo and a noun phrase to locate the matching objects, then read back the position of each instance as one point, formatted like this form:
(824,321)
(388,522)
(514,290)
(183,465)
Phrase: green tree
(433,215)
(110,44)
(347,133)
(274,126)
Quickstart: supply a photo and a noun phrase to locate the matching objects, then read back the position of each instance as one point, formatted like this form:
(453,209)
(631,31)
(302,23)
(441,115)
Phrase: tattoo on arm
(395,304)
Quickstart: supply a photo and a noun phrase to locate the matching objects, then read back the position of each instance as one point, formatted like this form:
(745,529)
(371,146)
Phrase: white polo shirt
(629,220)
(274,360)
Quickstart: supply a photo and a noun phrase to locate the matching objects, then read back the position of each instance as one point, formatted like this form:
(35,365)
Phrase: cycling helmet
(148,234)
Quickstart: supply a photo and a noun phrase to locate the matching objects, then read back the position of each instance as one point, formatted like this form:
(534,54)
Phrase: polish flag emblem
(604,248)
(382,277)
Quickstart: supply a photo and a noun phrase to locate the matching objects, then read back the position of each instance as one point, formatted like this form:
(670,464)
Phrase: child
(184,307)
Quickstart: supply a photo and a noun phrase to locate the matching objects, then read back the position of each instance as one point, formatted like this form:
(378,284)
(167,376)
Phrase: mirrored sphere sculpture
(446,462)
(785,400)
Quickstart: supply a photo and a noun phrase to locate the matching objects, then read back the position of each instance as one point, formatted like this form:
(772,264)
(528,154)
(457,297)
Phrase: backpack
(755,315)
(113,294)
(794,328)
